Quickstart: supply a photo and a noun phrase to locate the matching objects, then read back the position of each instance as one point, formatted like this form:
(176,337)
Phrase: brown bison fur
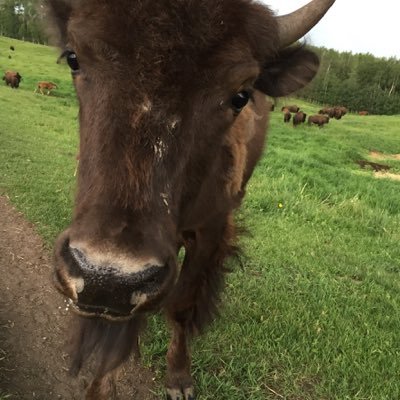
(329,111)
(363,113)
(334,112)
(12,79)
(293,108)
(324,110)
(337,113)
(110,342)
(318,119)
(164,158)
(299,118)
(44,85)
(287,116)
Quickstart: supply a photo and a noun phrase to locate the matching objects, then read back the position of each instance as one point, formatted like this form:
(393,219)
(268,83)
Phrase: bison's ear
(290,71)
(59,12)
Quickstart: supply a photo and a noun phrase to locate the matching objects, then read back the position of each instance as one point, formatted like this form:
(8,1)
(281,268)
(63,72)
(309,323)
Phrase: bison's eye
(239,100)
(72,61)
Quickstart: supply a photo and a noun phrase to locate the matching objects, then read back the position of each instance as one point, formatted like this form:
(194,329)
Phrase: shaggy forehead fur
(169,35)
(148,58)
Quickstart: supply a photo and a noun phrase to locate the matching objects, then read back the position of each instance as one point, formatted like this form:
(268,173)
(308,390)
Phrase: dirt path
(34,321)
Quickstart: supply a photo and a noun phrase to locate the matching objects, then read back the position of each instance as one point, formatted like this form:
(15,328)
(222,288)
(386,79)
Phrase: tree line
(357,81)
(23,20)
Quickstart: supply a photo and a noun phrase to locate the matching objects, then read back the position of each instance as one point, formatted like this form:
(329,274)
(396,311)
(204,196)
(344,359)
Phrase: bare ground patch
(377,155)
(387,175)
(34,323)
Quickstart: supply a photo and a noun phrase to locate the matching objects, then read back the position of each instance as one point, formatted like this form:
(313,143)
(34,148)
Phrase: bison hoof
(180,394)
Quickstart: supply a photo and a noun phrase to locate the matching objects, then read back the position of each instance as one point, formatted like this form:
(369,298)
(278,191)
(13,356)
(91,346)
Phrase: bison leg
(179,379)
(195,301)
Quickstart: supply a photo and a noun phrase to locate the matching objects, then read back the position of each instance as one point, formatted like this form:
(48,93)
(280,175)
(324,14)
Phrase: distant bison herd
(319,119)
(13,79)
(334,112)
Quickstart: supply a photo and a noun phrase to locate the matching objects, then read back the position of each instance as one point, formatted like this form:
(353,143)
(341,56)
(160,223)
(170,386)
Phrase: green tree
(22,19)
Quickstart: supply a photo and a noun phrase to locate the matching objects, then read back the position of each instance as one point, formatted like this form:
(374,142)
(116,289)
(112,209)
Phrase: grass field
(315,311)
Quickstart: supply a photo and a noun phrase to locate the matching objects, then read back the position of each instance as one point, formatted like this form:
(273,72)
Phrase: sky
(359,26)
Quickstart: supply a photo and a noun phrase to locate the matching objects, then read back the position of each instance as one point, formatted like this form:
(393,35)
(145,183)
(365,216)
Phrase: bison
(173,120)
(318,119)
(329,111)
(293,109)
(337,113)
(334,112)
(287,116)
(12,79)
(324,110)
(363,113)
(299,118)
(44,85)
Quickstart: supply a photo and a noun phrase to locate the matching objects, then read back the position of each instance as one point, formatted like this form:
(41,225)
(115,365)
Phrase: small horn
(295,25)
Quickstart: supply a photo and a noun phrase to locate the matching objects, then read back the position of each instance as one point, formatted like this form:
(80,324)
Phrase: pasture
(312,311)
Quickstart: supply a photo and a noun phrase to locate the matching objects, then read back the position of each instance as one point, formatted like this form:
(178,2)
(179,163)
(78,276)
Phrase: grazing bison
(287,116)
(293,109)
(337,113)
(44,85)
(172,118)
(324,110)
(329,111)
(299,118)
(363,113)
(318,119)
(12,79)
(334,112)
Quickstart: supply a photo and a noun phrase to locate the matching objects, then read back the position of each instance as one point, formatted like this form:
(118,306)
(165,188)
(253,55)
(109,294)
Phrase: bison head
(164,89)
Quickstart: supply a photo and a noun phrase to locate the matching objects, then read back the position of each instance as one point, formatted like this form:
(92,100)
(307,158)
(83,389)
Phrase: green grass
(315,311)
(38,137)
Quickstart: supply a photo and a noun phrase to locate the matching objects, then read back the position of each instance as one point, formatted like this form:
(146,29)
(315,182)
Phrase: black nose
(106,289)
